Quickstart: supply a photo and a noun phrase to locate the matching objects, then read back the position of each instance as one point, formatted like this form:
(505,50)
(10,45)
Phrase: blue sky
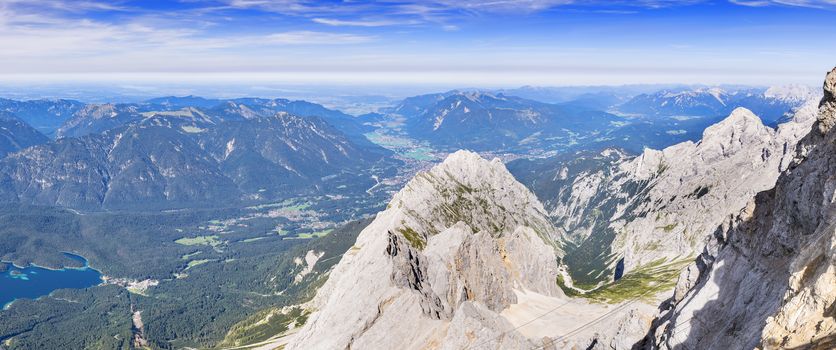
(490,43)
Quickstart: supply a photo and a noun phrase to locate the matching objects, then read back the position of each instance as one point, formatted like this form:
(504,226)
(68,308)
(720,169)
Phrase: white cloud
(311,38)
(61,42)
(361,23)
(797,3)
(66,6)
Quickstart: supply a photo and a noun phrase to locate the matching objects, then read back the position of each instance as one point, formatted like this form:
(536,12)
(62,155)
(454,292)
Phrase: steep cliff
(767,279)
(622,213)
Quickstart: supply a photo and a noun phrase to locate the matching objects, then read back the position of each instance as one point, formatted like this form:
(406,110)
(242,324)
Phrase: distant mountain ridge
(499,122)
(484,121)
(15,134)
(96,118)
(44,115)
(770,104)
(187,158)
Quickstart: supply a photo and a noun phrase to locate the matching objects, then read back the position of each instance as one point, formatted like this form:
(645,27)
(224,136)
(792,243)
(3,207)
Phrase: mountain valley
(572,237)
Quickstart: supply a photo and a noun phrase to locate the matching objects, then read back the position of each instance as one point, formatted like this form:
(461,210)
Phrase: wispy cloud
(67,6)
(304,37)
(362,23)
(56,38)
(797,3)
(387,39)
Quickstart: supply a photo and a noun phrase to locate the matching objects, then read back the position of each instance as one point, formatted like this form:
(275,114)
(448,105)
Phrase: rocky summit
(452,250)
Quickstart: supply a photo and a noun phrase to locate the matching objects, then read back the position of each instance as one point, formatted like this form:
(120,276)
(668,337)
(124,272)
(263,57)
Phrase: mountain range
(187,158)
(482,121)
(723,243)
(607,244)
(771,104)
(96,118)
(44,115)
(496,122)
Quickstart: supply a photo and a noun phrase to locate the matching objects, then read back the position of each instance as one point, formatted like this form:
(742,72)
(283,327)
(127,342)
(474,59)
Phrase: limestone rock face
(435,269)
(692,186)
(665,204)
(767,279)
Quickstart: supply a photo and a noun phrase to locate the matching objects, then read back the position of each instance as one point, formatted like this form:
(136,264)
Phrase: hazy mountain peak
(98,111)
(16,134)
(185,112)
(792,93)
(478,96)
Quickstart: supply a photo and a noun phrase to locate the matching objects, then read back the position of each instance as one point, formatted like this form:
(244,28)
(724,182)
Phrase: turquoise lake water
(33,281)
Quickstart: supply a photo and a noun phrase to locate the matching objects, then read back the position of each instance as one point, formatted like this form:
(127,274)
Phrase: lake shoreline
(21,273)
(63,268)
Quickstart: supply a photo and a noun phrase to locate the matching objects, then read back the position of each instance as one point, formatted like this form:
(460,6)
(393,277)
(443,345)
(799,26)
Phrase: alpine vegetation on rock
(452,250)
(767,279)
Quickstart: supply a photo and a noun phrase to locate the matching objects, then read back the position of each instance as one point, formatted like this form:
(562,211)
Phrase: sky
(490,43)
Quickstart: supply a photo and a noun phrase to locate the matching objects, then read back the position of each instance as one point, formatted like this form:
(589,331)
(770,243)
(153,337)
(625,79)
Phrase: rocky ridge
(770,104)
(435,269)
(185,157)
(766,279)
(623,212)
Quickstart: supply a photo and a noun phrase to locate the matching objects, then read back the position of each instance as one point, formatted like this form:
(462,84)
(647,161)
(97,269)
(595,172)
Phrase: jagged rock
(624,332)
(769,275)
(436,268)
(695,185)
(828,104)
(665,204)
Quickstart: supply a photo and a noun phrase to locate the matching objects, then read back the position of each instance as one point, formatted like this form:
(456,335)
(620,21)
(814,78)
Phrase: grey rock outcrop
(767,279)
(665,204)
(438,266)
